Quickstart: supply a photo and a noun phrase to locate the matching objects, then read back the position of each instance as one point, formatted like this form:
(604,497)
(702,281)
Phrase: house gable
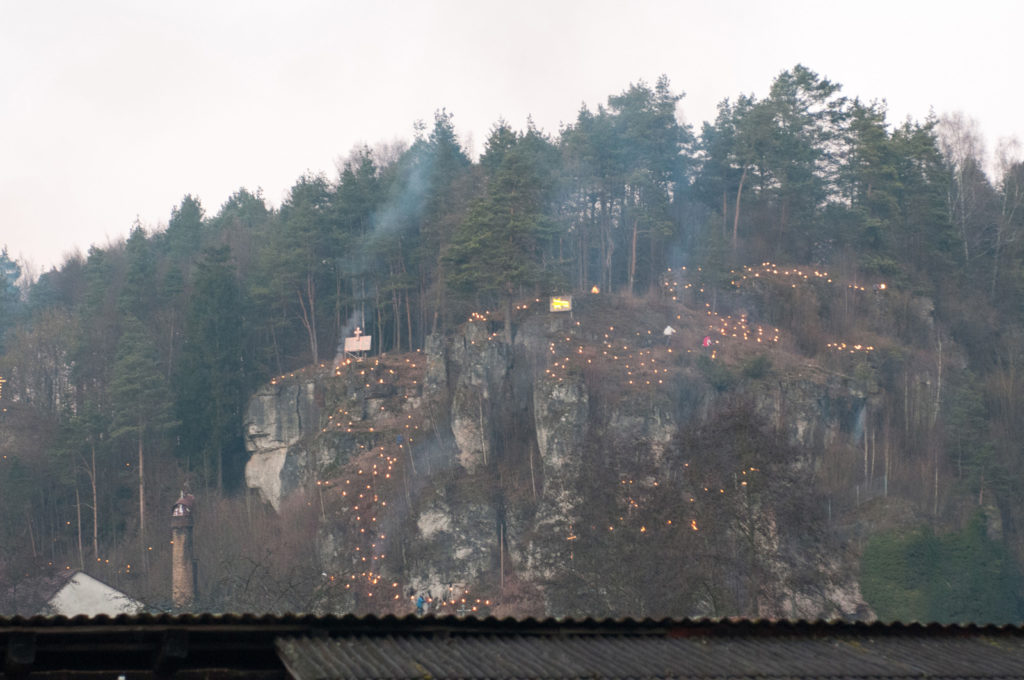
(83,594)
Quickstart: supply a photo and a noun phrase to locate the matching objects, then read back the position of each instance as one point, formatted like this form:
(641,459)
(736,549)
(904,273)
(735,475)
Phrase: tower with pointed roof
(183,563)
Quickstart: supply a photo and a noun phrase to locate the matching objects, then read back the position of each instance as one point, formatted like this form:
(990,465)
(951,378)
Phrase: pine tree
(210,381)
(10,295)
(497,247)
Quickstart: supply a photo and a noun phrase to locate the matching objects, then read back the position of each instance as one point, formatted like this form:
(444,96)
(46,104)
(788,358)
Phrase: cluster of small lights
(725,327)
(739,329)
(638,354)
(673,285)
(366,490)
(487,315)
(286,376)
(769,270)
(362,493)
(361,496)
(851,349)
(344,363)
(640,366)
(408,372)
(126,569)
(877,286)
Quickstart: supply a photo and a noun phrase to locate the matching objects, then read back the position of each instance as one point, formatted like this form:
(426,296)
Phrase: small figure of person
(419,605)
(668,333)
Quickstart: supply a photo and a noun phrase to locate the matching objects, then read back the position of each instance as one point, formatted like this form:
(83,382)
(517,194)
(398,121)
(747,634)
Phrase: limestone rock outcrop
(476,464)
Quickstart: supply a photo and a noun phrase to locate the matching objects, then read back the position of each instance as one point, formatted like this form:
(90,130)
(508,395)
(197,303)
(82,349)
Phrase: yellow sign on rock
(561,303)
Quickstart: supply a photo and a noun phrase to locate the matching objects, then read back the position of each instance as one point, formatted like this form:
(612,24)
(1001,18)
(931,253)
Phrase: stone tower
(183,563)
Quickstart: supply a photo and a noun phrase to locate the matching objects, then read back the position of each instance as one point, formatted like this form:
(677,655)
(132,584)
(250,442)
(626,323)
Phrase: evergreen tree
(363,241)
(241,220)
(624,163)
(652,144)
(184,230)
(925,240)
(869,183)
(10,294)
(497,247)
(210,381)
(444,166)
(499,142)
(594,166)
(957,578)
(97,324)
(297,260)
(138,293)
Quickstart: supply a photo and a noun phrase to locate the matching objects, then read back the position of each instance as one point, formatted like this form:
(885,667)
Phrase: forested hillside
(126,371)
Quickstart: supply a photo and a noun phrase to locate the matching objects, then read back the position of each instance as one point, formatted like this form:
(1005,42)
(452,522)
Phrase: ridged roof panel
(508,657)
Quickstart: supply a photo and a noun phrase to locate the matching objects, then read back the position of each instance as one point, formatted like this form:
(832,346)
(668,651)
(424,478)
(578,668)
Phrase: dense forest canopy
(126,370)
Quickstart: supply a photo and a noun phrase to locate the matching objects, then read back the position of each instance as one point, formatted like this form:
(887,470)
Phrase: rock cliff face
(529,476)
(278,422)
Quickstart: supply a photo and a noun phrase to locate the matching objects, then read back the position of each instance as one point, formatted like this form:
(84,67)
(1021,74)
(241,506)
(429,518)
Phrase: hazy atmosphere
(569,310)
(112,111)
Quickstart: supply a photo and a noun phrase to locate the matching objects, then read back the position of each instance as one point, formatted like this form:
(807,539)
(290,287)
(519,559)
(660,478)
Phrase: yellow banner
(562,303)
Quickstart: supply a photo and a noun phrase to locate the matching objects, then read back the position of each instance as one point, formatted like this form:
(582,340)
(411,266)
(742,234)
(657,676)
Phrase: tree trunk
(95,506)
(337,305)
(508,318)
(78,512)
(170,348)
(408,319)
(632,257)
(308,306)
(277,349)
(783,220)
(396,311)
(725,213)
(938,381)
(142,502)
(31,533)
(736,216)
(406,294)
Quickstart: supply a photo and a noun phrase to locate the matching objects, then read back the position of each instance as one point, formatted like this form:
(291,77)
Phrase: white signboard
(358,343)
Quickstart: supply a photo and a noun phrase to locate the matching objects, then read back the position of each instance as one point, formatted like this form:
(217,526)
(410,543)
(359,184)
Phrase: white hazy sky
(115,109)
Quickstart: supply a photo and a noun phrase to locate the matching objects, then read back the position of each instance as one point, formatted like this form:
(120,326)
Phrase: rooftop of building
(306,647)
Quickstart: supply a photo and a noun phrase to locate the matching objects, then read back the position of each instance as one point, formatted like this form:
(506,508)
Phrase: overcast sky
(115,109)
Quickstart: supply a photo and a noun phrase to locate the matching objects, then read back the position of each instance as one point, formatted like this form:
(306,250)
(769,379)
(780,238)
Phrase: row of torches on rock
(640,366)
(360,494)
(741,330)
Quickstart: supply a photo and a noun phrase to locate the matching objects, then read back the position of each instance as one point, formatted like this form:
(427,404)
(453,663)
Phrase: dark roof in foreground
(308,647)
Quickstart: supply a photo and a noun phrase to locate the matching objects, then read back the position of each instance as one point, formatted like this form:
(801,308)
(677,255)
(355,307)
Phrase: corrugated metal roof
(500,657)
